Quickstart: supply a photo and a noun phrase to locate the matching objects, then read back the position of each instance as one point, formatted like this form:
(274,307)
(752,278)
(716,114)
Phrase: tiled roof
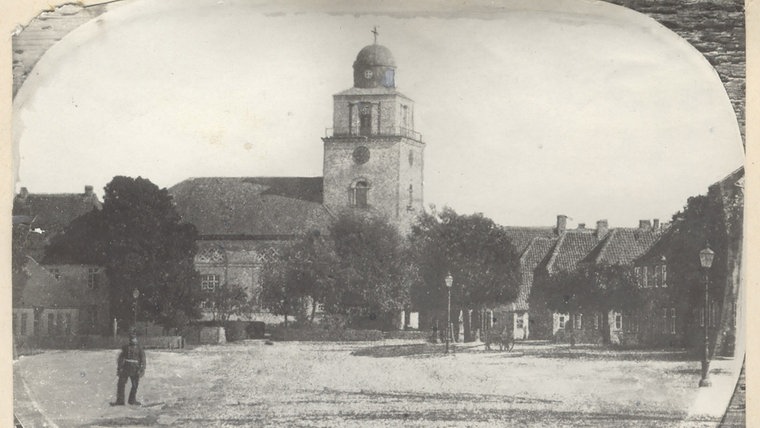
(252,206)
(53,211)
(536,252)
(662,246)
(44,290)
(522,236)
(623,246)
(571,248)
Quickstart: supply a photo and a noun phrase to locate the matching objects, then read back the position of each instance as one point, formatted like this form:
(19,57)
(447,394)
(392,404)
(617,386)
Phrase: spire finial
(375,33)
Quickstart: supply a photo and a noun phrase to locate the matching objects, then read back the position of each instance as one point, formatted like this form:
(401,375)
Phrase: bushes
(310,334)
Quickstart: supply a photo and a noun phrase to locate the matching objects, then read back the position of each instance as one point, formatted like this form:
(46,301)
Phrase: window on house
(664,275)
(657,276)
(672,320)
(411,196)
(644,277)
(578,321)
(92,278)
(59,325)
(209,282)
(702,317)
(665,326)
(67,324)
(37,322)
(24,318)
(596,321)
(561,321)
(359,194)
(637,274)
(618,321)
(56,272)
(51,324)
(519,322)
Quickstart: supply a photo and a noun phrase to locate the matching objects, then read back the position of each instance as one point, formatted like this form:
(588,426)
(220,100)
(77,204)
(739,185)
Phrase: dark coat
(131,361)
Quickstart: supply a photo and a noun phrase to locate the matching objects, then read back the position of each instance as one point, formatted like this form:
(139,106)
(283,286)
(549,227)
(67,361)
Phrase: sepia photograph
(373,214)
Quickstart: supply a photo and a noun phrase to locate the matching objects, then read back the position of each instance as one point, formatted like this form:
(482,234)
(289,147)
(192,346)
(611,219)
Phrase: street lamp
(449,282)
(135,294)
(705,259)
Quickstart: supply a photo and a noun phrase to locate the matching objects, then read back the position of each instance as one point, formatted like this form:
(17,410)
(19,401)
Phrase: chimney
(582,226)
(601,229)
(88,190)
(656,224)
(561,224)
(645,224)
(23,193)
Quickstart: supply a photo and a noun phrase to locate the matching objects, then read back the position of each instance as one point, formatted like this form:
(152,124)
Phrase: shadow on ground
(537,350)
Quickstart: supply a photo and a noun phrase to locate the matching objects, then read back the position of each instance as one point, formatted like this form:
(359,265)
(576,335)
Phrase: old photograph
(334,214)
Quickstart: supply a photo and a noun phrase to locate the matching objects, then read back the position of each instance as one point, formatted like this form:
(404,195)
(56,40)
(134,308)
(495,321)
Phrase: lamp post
(706,259)
(135,294)
(449,282)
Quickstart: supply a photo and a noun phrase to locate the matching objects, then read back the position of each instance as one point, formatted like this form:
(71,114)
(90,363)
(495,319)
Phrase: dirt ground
(390,383)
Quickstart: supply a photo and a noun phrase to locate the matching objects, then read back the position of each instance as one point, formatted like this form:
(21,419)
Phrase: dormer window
(359,194)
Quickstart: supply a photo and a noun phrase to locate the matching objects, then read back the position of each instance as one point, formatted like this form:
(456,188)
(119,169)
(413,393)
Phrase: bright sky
(578,108)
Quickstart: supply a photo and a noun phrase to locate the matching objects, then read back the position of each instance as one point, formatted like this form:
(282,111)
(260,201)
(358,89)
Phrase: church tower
(373,157)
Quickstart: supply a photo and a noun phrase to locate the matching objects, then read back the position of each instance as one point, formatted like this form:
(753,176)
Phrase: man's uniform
(131,364)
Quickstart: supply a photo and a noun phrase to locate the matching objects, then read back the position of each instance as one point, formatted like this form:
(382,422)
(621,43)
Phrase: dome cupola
(374,67)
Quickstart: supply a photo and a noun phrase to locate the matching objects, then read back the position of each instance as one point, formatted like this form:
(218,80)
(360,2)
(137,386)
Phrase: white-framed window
(664,276)
(665,327)
(519,322)
(596,321)
(672,320)
(209,282)
(657,275)
(637,274)
(618,321)
(577,321)
(644,277)
(93,276)
(562,320)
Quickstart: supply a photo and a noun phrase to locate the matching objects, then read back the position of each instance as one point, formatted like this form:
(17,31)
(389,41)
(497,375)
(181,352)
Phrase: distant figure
(131,364)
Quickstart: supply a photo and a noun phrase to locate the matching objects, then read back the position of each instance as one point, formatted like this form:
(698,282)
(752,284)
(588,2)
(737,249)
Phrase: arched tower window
(359,194)
(365,119)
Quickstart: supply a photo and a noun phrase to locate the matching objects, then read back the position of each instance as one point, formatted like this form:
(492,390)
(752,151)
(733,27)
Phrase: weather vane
(375,33)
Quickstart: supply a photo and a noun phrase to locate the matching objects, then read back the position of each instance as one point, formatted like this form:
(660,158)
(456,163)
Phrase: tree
(479,255)
(306,268)
(375,268)
(139,239)
(227,300)
(588,288)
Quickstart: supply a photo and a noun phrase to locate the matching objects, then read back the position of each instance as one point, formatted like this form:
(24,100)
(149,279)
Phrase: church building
(373,163)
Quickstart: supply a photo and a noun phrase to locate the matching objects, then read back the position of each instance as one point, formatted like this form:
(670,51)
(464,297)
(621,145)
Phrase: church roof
(263,207)
(374,55)
(379,90)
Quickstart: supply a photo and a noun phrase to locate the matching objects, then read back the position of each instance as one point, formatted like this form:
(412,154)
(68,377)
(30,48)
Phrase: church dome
(374,67)
(375,55)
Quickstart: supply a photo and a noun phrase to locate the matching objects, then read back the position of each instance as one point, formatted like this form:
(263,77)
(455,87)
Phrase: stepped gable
(251,207)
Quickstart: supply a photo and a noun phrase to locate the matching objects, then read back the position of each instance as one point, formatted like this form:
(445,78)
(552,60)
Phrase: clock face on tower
(361,155)
(367,74)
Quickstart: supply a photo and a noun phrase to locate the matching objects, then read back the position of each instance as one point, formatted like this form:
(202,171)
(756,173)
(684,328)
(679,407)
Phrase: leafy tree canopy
(478,253)
(138,237)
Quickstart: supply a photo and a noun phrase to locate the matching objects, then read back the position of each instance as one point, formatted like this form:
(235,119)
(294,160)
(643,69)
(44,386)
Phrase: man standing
(131,364)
